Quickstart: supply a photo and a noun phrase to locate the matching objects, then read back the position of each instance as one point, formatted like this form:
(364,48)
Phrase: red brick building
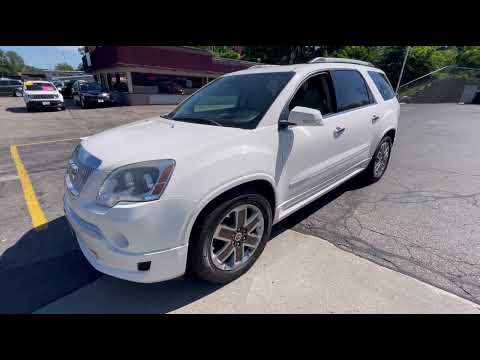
(155,74)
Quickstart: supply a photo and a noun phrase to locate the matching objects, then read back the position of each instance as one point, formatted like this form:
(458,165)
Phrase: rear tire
(204,257)
(379,163)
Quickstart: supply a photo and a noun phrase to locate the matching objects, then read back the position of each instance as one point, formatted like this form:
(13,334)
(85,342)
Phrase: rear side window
(3,82)
(382,84)
(350,90)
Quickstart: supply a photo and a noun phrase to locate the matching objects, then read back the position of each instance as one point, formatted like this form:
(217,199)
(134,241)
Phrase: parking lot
(422,219)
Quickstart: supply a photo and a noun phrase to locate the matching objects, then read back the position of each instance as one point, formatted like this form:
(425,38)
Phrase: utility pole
(403,67)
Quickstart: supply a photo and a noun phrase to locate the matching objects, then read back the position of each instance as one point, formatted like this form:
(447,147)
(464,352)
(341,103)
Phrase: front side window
(350,90)
(315,93)
(382,84)
(235,101)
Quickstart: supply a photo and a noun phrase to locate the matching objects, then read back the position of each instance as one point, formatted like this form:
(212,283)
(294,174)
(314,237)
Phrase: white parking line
(8,178)
(51,141)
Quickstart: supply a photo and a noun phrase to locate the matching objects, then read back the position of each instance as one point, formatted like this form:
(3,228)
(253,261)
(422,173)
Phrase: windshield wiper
(198,119)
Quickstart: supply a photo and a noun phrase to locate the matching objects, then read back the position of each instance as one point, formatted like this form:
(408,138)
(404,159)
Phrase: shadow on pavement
(300,215)
(17,110)
(46,265)
(42,266)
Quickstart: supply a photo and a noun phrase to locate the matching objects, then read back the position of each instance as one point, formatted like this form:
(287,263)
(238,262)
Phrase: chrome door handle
(375,118)
(338,131)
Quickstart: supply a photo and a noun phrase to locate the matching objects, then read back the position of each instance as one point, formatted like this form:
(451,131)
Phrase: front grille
(43,97)
(80,167)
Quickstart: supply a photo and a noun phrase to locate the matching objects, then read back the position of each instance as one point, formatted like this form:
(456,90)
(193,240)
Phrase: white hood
(154,139)
(41,92)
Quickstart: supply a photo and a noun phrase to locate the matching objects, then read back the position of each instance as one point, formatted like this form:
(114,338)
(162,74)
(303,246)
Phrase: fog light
(143,266)
(122,242)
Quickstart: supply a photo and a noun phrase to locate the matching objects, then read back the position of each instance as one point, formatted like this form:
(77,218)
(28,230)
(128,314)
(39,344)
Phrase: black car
(88,94)
(67,89)
(11,87)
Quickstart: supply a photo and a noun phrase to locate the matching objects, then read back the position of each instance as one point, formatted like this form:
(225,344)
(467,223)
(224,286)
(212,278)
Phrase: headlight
(143,181)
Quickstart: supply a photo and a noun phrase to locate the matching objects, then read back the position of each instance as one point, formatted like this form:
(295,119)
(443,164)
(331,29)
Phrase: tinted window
(3,82)
(235,101)
(382,84)
(40,87)
(315,93)
(93,86)
(350,89)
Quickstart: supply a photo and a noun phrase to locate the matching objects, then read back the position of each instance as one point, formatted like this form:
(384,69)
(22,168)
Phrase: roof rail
(340,60)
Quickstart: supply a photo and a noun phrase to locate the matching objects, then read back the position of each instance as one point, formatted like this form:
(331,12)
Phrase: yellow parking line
(47,142)
(36,212)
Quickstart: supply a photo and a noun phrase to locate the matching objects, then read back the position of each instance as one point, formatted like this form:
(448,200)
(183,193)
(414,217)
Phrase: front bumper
(44,104)
(98,237)
(98,101)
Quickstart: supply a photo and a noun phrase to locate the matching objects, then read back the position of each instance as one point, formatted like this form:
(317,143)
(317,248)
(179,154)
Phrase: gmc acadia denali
(201,187)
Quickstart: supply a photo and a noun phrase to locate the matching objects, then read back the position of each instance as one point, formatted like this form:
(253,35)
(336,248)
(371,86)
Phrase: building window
(118,82)
(145,83)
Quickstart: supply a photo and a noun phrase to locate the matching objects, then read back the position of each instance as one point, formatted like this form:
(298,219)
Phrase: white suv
(200,188)
(42,95)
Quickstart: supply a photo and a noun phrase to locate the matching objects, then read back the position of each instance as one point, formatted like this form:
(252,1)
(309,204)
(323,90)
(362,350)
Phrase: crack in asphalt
(348,232)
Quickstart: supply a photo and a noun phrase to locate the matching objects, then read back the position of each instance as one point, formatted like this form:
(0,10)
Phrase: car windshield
(93,86)
(40,87)
(235,101)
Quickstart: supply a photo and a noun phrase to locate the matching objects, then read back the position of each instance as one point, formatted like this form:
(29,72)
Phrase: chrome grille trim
(44,97)
(80,167)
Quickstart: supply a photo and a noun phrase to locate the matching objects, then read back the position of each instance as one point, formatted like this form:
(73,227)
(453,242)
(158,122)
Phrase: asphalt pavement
(423,217)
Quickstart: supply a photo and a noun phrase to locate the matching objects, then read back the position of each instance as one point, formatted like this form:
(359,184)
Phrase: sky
(46,57)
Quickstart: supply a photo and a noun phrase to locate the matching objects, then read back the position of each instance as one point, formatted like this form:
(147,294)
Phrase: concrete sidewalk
(295,274)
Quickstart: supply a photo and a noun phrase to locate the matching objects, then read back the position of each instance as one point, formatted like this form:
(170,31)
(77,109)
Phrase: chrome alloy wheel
(237,237)
(381,159)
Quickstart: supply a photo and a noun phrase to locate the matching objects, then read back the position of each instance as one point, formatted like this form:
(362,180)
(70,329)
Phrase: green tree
(10,62)
(469,56)
(373,54)
(31,69)
(63,67)
(222,51)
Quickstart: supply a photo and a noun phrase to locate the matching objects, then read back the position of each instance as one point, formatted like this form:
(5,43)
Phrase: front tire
(231,237)
(379,163)
(17,93)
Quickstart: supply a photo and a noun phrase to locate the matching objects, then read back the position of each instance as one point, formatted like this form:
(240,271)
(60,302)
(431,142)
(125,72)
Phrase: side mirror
(303,116)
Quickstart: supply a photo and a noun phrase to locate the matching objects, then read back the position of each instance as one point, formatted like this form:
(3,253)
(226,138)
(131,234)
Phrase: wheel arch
(262,184)
(391,133)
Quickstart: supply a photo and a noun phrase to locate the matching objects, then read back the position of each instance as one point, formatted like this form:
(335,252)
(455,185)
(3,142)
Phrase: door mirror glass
(303,116)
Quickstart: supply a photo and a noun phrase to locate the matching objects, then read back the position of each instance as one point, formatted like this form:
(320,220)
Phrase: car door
(308,150)
(355,113)
(318,156)
(3,86)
